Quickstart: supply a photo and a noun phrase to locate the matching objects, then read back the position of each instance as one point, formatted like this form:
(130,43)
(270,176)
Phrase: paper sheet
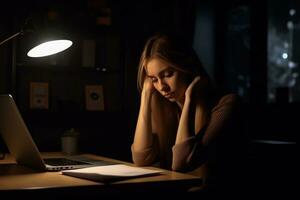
(110,172)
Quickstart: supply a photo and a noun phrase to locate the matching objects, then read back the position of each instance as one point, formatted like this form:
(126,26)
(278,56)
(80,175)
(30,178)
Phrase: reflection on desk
(15,178)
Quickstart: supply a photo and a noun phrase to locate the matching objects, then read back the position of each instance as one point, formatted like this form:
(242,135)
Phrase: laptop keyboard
(62,162)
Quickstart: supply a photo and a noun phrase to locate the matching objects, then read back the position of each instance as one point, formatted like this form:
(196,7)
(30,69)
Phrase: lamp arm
(11,37)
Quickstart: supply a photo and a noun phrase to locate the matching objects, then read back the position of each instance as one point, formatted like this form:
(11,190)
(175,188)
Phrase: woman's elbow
(179,166)
(143,158)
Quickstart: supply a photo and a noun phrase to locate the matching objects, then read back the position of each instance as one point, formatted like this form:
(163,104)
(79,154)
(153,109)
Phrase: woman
(182,116)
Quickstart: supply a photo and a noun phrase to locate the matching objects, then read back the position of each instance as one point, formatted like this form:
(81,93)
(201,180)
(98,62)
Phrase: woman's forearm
(143,132)
(186,126)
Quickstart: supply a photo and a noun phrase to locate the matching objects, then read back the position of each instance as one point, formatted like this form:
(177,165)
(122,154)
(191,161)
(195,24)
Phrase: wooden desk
(16,178)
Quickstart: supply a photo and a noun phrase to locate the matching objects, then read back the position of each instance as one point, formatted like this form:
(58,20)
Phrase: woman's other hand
(192,87)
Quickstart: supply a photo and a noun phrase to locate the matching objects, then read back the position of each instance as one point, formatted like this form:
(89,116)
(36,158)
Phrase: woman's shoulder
(229,100)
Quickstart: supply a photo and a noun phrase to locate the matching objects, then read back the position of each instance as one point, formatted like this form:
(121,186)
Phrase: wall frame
(94,98)
(39,95)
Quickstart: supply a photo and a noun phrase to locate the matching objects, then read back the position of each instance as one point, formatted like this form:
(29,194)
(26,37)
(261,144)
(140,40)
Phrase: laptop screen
(16,135)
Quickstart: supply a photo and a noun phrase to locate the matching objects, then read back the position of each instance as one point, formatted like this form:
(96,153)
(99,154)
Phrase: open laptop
(21,145)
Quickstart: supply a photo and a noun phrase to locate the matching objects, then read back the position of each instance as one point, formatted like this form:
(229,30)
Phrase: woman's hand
(192,87)
(148,85)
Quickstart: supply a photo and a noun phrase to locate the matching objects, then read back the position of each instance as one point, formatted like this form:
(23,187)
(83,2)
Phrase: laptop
(21,145)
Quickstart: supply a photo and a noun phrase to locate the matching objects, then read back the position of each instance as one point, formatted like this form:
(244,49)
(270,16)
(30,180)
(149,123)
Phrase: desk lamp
(46,48)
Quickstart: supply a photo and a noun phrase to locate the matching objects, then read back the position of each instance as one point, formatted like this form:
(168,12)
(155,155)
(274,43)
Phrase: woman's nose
(162,85)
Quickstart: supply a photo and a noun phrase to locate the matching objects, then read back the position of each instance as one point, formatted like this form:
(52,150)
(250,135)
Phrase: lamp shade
(46,42)
(49,48)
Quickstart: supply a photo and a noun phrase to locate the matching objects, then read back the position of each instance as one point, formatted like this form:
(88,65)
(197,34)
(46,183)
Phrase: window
(283,51)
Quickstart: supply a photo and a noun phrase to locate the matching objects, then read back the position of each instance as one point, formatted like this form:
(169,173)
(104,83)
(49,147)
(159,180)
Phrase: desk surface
(15,177)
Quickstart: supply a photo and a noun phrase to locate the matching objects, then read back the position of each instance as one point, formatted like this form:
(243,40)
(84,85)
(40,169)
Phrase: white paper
(110,172)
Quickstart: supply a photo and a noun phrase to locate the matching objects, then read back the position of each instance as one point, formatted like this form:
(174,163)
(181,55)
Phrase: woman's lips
(168,95)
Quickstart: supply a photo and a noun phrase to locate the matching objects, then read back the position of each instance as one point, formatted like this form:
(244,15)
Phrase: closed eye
(153,79)
(168,73)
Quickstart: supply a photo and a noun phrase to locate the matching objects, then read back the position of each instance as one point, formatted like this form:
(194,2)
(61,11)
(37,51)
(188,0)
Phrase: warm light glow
(49,48)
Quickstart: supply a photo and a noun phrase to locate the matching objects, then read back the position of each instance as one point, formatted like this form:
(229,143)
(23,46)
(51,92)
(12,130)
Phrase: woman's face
(168,81)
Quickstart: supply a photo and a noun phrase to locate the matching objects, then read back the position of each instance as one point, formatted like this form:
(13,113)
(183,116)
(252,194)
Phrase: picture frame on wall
(94,98)
(39,95)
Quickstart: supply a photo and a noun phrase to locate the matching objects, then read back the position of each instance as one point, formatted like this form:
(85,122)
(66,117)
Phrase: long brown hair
(176,52)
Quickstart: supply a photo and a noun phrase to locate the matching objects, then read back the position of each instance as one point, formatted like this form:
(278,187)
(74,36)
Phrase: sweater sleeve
(182,152)
(145,157)
(194,151)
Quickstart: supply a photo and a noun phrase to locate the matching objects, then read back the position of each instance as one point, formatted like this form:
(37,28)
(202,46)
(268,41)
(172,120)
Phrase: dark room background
(248,47)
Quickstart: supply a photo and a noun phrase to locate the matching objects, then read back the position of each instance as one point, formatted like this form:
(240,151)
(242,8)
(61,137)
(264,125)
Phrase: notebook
(20,144)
